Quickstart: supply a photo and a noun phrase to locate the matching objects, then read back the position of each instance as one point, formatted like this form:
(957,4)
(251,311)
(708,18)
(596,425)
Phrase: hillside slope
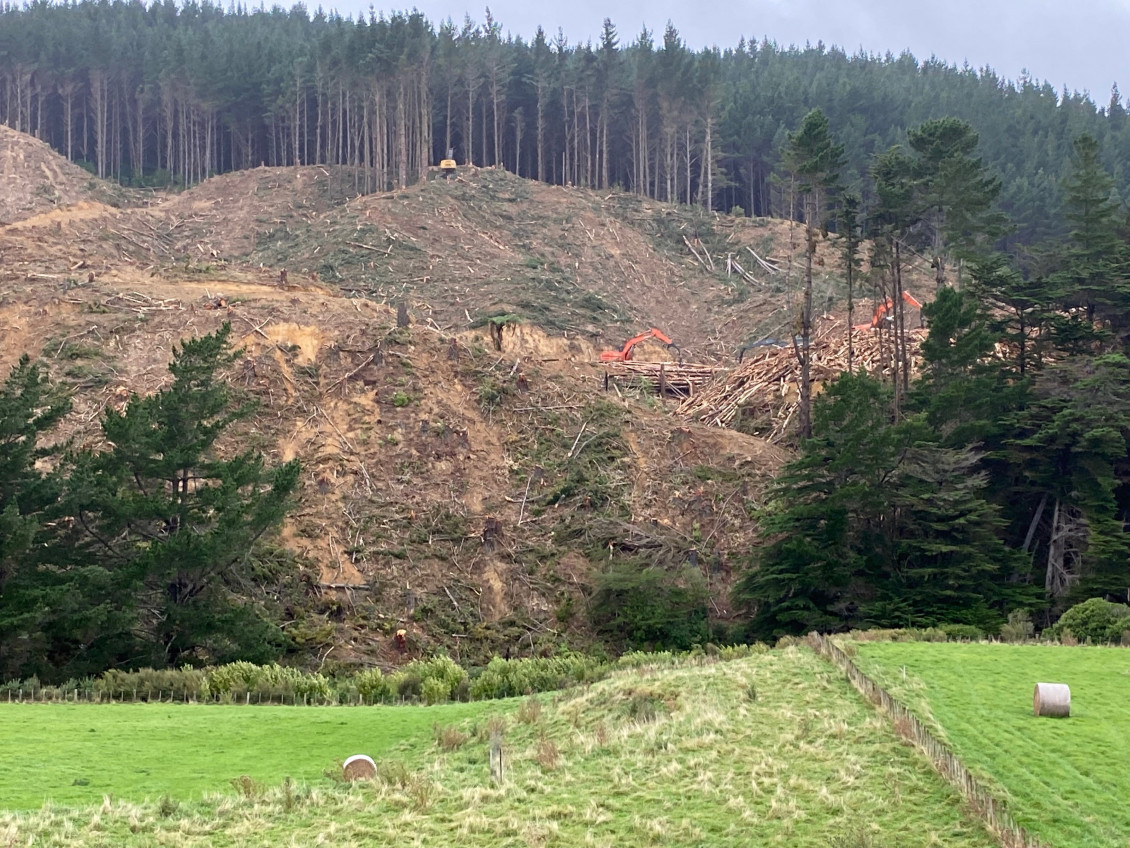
(470,487)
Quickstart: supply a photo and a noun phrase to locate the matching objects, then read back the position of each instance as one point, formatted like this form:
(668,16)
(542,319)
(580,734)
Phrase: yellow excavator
(447,166)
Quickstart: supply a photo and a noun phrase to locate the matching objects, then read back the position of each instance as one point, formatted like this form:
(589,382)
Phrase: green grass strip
(1065,780)
(77,753)
(773,750)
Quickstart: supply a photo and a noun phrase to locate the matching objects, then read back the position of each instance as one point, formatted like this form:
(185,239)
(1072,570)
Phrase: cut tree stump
(1051,700)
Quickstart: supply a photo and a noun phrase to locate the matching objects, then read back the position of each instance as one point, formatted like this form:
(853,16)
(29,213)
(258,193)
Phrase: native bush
(963,632)
(1019,626)
(509,678)
(1097,620)
(373,686)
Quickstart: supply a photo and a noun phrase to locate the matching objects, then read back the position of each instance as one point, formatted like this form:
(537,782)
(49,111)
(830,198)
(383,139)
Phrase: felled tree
(176,526)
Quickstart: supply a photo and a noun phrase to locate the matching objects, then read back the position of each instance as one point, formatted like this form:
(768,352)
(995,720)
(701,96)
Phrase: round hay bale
(1052,700)
(359,767)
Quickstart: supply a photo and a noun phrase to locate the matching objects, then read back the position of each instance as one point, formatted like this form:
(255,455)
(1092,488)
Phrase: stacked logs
(766,386)
(666,378)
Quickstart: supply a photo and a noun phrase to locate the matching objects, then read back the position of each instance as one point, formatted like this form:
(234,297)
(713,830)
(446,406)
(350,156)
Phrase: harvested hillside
(470,476)
(450,487)
(37,181)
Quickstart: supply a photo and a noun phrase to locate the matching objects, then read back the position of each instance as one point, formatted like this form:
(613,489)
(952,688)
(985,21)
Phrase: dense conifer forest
(168,93)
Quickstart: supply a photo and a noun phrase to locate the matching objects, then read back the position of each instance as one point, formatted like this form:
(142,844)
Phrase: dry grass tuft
(530,711)
(548,754)
(450,738)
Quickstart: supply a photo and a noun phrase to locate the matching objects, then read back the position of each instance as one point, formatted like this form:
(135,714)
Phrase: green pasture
(771,750)
(1067,780)
(75,754)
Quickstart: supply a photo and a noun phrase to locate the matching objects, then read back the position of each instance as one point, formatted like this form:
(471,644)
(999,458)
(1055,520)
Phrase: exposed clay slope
(469,494)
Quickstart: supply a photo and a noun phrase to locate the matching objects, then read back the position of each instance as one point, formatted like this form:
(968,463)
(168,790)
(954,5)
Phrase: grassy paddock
(774,750)
(77,753)
(1067,780)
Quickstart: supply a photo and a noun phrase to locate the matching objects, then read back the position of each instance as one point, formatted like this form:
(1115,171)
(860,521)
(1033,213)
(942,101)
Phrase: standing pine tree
(175,526)
(816,161)
(851,239)
(30,407)
(1093,272)
(955,192)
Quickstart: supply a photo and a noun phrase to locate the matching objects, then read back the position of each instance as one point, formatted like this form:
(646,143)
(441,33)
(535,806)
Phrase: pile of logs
(665,378)
(766,386)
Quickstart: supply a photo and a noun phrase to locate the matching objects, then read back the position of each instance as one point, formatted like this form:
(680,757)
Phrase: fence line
(54,695)
(991,810)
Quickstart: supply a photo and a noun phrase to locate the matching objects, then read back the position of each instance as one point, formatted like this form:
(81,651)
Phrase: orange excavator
(885,307)
(625,353)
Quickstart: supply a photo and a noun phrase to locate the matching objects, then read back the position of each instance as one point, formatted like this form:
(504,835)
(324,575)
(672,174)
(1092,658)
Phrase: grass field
(774,750)
(77,753)
(1067,780)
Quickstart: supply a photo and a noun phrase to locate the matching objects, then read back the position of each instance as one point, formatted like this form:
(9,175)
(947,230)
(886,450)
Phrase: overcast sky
(1079,43)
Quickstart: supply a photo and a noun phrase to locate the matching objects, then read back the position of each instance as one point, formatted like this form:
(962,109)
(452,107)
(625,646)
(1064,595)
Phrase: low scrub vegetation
(436,680)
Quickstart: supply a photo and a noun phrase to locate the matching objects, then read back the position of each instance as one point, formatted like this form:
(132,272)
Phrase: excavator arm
(625,353)
(883,308)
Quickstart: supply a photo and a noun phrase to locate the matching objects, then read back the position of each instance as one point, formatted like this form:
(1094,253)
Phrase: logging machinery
(447,166)
(883,309)
(624,354)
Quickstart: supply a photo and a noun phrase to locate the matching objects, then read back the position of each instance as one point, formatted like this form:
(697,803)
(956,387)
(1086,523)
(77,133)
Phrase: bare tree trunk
(541,130)
(805,355)
(589,174)
(67,90)
(1068,530)
(401,136)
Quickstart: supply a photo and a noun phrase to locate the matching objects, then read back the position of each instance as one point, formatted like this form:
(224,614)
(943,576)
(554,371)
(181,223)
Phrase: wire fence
(55,695)
(990,809)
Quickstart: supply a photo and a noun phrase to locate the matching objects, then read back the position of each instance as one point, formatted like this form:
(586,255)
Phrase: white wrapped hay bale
(359,767)
(1052,700)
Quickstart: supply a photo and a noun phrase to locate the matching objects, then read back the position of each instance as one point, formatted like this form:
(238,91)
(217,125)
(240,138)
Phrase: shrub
(268,681)
(373,686)
(548,754)
(963,632)
(406,685)
(434,691)
(530,711)
(1098,621)
(439,677)
(175,683)
(645,706)
(509,678)
(1019,626)
(644,606)
(450,738)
